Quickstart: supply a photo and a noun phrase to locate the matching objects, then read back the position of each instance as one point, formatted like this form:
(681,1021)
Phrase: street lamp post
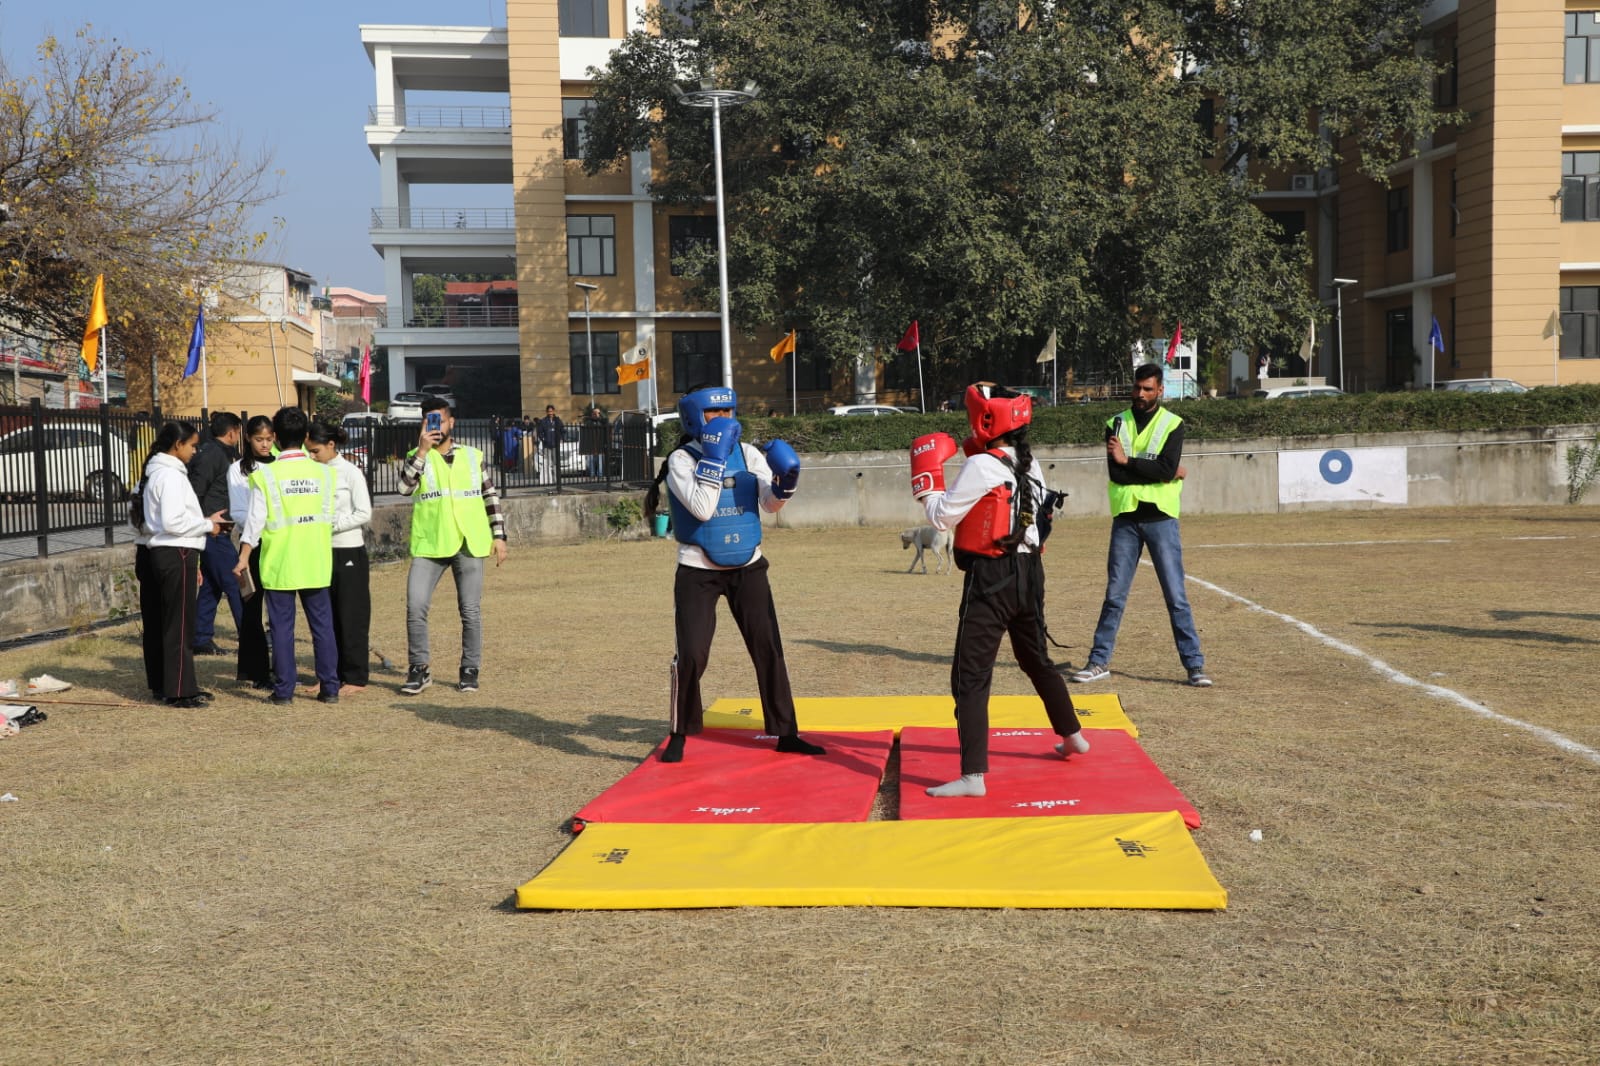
(1338,318)
(708,95)
(588,335)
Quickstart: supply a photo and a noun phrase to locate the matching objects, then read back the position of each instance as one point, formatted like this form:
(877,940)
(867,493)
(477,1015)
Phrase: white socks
(965,785)
(1073,745)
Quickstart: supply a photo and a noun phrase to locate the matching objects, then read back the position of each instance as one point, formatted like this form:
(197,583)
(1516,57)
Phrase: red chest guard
(988,522)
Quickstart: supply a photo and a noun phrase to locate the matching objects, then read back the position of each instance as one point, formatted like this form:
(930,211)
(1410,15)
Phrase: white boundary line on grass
(1550,736)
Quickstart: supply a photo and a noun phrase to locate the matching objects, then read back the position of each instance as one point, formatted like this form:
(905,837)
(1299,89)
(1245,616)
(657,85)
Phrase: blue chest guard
(732,534)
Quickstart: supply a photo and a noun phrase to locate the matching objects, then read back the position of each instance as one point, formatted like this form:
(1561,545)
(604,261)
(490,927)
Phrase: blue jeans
(1128,539)
(216,563)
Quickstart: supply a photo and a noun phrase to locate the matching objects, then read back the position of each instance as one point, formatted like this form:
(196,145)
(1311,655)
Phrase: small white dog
(927,538)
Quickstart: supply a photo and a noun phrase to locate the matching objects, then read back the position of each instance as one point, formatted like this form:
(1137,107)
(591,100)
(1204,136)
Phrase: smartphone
(434,422)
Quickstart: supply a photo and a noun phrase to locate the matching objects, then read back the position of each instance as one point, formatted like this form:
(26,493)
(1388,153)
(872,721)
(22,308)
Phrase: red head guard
(994,416)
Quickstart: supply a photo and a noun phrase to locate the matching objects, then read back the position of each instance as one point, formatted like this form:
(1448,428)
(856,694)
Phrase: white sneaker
(46,683)
(8,688)
(1092,672)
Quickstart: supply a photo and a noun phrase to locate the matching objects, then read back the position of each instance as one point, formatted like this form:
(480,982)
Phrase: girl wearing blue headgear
(715,484)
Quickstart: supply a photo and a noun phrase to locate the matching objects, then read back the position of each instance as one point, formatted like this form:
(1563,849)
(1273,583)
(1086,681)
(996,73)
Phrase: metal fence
(65,474)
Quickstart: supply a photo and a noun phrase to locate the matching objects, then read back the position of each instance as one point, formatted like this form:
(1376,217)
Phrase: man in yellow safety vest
(290,521)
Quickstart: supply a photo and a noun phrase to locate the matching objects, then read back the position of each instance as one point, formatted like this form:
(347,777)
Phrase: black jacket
(208,473)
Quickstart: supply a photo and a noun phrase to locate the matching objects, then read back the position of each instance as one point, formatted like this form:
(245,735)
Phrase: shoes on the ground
(469,679)
(205,697)
(187,702)
(208,649)
(346,687)
(327,697)
(1199,679)
(417,679)
(1092,672)
(280,701)
(8,688)
(45,683)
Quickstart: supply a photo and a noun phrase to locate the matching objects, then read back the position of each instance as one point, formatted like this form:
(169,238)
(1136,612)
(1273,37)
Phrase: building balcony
(425,117)
(443,218)
(462,316)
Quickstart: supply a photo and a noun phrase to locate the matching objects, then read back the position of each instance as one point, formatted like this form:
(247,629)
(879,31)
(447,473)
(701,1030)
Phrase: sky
(289,77)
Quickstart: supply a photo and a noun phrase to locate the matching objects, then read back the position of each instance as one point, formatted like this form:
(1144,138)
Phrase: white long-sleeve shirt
(238,492)
(171,509)
(255,513)
(700,499)
(352,504)
(977,476)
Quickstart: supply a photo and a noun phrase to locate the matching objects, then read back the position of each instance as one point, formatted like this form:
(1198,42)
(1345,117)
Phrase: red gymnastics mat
(1027,778)
(736,776)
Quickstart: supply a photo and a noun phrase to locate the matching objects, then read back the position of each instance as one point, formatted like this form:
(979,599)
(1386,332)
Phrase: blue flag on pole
(1436,338)
(197,343)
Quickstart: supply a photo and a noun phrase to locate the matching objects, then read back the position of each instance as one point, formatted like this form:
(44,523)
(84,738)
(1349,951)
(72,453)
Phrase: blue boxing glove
(785,466)
(717,441)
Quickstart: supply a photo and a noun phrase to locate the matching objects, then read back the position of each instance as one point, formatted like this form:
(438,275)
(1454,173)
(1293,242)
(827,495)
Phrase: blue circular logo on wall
(1336,467)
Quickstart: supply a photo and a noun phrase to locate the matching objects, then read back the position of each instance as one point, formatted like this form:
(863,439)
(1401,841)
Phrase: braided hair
(1022,502)
(652,495)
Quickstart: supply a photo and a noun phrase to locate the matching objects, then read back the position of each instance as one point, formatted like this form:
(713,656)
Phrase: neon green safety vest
(448,507)
(1147,445)
(297,543)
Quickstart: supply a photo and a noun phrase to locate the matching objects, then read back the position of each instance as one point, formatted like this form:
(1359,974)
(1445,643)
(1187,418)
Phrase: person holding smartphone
(456,523)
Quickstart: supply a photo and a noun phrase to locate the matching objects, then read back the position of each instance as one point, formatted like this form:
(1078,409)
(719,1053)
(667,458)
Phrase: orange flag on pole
(97,321)
(783,347)
(627,372)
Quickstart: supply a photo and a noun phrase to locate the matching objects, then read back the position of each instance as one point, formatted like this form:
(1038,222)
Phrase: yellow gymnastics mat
(835,714)
(1115,860)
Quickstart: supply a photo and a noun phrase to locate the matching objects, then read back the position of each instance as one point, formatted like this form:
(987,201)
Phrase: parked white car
(1481,385)
(1298,392)
(74,463)
(406,407)
(868,409)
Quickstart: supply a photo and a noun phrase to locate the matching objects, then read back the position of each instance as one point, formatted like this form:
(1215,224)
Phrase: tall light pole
(1338,318)
(708,95)
(588,334)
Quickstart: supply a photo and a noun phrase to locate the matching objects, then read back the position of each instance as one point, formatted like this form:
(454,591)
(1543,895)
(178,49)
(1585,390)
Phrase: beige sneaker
(8,689)
(45,683)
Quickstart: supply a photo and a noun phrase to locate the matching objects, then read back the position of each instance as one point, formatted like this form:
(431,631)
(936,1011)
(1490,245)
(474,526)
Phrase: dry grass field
(1404,707)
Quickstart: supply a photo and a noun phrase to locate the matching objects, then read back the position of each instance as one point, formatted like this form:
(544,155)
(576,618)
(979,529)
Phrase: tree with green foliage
(996,169)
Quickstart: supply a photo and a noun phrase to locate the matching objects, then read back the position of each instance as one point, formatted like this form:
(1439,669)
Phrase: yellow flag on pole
(783,347)
(628,372)
(97,321)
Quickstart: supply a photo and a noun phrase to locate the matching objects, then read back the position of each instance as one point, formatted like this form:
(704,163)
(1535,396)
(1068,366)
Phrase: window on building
(1399,219)
(600,375)
(1444,85)
(1400,356)
(1455,212)
(591,245)
(689,236)
(1583,47)
(683,9)
(1206,118)
(1580,186)
(813,370)
(585,18)
(1291,224)
(1580,322)
(696,359)
(900,373)
(574,126)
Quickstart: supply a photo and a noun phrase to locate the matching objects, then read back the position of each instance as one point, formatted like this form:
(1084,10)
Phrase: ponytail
(1022,501)
(652,495)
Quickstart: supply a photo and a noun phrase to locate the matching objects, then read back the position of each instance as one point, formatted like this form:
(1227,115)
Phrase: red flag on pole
(911,341)
(1172,346)
(366,375)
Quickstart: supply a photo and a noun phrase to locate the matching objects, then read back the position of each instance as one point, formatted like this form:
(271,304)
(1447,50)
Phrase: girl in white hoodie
(178,532)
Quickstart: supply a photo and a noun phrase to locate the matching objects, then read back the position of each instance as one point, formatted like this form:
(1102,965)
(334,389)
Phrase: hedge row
(1373,412)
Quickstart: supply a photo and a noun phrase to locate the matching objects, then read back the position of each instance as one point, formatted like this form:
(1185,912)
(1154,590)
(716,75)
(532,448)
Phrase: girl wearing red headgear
(992,505)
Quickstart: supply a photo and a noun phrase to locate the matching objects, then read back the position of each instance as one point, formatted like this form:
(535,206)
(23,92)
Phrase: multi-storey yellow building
(1490,229)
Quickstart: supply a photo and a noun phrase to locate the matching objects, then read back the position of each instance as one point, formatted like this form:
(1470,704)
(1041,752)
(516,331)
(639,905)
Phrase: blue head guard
(693,406)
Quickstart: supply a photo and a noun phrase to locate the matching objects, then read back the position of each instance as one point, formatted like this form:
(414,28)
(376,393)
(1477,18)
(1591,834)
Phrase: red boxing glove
(971,447)
(928,456)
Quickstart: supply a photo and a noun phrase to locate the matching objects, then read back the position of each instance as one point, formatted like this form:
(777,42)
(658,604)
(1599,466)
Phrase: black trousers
(177,572)
(1001,596)
(255,661)
(150,616)
(695,593)
(352,612)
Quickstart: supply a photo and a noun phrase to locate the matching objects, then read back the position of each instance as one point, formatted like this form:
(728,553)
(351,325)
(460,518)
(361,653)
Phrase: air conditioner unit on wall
(1302,183)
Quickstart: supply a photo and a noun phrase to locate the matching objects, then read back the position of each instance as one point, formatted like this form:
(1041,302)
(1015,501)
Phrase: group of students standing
(298,510)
